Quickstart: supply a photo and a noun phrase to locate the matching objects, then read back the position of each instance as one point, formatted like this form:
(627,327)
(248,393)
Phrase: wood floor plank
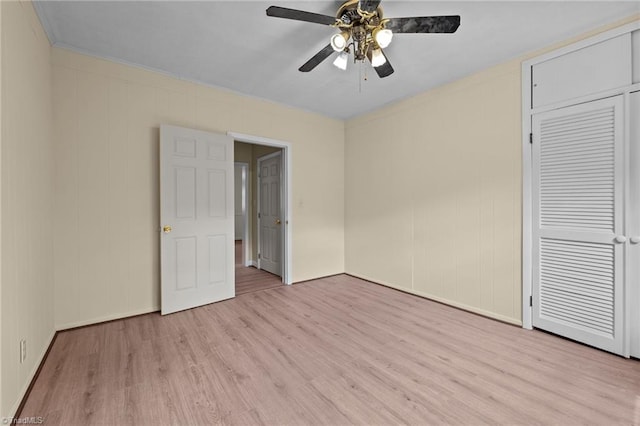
(334,351)
(250,279)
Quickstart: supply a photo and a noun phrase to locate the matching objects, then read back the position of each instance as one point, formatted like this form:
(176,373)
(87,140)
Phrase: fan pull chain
(362,75)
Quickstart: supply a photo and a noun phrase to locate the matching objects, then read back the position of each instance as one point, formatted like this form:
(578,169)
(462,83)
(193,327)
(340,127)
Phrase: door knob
(635,240)
(278,222)
(166,229)
(620,239)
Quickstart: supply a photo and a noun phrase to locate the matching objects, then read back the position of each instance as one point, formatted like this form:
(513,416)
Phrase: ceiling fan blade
(384,70)
(300,15)
(317,58)
(424,24)
(369,5)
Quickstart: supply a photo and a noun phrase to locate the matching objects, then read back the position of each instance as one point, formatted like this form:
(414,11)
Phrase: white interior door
(270,213)
(578,235)
(634,223)
(197,215)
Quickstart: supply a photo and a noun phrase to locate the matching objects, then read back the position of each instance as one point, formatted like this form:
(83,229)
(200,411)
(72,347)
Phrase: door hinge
(530,300)
(259,256)
(531,138)
(258,215)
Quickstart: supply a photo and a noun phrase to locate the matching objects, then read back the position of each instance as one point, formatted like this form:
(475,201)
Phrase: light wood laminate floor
(249,279)
(334,351)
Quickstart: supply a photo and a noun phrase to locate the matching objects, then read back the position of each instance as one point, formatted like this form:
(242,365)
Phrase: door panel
(196,202)
(185,253)
(185,192)
(270,214)
(217,194)
(578,213)
(602,66)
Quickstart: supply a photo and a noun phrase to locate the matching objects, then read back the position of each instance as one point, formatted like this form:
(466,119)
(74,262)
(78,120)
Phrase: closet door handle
(620,239)
(635,240)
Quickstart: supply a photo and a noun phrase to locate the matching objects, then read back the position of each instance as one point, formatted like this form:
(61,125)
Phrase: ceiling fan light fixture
(342,60)
(339,41)
(382,36)
(363,31)
(377,58)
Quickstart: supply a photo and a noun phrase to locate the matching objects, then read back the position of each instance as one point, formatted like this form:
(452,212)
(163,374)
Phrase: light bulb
(377,58)
(339,41)
(341,61)
(382,37)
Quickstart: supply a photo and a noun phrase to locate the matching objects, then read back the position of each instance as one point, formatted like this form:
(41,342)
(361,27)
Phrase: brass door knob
(278,222)
(166,229)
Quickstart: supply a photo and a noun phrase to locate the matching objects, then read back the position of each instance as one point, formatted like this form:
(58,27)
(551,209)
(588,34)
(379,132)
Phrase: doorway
(251,271)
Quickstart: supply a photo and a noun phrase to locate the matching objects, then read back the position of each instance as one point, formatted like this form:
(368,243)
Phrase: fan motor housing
(349,15)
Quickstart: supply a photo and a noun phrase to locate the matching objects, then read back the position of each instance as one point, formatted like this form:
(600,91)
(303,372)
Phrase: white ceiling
(234,45)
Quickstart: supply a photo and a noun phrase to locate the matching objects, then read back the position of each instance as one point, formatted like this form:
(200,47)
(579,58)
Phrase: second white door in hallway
(270,213)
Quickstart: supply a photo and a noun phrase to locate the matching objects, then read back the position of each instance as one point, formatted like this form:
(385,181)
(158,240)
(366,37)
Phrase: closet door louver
(577,209)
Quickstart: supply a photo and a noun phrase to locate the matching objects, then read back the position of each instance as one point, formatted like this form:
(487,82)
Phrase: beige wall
(27,288)
(242,152)
(106,136)
(434,192)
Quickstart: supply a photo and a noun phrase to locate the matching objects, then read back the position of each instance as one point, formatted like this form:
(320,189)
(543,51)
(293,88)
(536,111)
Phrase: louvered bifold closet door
(577,214)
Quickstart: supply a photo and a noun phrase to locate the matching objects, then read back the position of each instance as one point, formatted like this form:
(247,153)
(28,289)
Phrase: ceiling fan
(364,32)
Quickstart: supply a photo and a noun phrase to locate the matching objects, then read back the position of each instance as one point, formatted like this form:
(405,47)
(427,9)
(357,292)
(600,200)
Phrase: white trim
(245,216)
(287,167)
(633,250)
(527,112)
(527,238)
(586,98)
(627,161)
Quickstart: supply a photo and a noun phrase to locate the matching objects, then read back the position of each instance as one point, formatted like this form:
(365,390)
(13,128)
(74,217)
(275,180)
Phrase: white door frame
(286,184)
(527,113)
(259,207)
(245,217)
